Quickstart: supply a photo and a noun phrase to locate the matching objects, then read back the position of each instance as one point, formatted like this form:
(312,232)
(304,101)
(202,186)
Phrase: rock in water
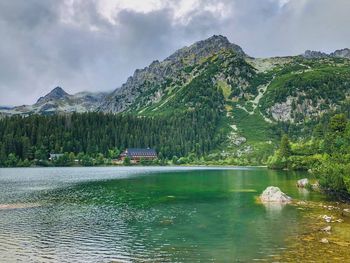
(302,183)
(326,229)
(328,219)
(324,241)
(275,195)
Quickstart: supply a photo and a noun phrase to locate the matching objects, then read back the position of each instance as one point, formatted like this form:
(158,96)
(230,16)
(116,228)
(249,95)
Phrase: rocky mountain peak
(158,72)
(341,53)
(314,54)
(55,94)
(205,48)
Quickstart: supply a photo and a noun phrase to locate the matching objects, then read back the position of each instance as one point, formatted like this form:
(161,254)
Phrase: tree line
(34,137)
(326,155)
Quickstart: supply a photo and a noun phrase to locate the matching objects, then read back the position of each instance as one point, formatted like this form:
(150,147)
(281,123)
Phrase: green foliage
(174,160)
(334,175)
(113,153)
(63,160)
(100,160)
(338,123)
(86,160)
(127,161)
(316,81)
(277,161)
(12,160)
(305,163)
(93,133)
(253,127)
(327,155)
(285,148)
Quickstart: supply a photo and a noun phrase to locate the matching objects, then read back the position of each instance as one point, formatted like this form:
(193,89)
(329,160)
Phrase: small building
(136,154)
(55,156)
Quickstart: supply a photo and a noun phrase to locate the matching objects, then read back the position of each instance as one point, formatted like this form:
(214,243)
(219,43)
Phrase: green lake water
(136,214)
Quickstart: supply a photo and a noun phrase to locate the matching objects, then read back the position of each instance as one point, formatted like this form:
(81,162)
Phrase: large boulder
(302,183)
(275,195)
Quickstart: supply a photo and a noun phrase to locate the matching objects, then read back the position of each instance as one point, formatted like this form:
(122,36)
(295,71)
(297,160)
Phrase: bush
(127,161)
(277,161)
(305,162)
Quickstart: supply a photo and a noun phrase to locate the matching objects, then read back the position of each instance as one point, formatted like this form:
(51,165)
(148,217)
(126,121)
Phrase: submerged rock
(326,229)
(302,183)
(18,206)
(275,195)
(324,241)
(326,218)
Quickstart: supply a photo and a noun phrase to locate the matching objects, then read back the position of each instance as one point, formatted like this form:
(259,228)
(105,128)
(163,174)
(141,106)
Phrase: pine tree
(285,149)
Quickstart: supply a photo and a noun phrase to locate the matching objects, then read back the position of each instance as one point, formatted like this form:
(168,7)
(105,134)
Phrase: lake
(140,214)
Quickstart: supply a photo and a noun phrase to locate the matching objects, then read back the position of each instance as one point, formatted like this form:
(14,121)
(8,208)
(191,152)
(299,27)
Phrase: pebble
(327,229)
(328,219)
(324,241)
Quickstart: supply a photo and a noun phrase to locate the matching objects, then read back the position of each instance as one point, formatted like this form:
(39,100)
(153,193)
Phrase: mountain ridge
(339,53)
(159,81)
(157,71)
(244,104)
(58,101)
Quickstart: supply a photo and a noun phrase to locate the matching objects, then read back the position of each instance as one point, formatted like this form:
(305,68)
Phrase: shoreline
(107,166)
(324,234)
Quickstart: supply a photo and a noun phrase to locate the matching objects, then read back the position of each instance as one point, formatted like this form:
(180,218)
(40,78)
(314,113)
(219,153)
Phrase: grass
(253,127)
(226,89)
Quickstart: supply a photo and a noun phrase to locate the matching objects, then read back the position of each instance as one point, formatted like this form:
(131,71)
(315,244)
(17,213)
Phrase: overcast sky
(95,45)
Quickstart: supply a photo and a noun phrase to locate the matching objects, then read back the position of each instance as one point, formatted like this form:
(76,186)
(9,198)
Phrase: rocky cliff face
(152,80)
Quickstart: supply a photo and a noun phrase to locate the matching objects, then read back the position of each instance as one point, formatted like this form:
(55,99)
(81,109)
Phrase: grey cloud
(45,43)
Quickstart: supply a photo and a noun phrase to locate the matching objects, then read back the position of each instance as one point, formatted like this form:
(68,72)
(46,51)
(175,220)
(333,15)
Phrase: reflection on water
(274,208)
(137,214)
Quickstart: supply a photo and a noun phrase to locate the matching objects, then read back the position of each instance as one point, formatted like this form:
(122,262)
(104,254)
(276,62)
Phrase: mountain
(56,94)
(314,54)
(148,85)
(341,53)
(153,87)
(243,103)
(59,101)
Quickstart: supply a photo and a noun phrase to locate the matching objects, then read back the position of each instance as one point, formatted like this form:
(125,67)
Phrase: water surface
(153,214)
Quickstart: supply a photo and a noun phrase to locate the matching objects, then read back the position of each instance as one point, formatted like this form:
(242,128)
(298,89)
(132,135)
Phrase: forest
(25,139)
(326,155)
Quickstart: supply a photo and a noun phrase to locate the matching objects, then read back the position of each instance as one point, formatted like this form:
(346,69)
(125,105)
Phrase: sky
(95,45)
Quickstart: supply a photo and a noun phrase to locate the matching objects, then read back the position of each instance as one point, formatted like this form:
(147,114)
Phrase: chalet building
(136,154)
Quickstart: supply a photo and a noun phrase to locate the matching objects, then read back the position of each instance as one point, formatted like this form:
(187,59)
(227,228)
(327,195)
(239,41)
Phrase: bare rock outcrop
(274,195)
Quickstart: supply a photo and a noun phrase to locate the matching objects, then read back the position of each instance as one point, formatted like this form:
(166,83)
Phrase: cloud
(95,45)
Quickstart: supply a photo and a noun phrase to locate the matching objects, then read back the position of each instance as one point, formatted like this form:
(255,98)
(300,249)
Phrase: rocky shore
(324,234)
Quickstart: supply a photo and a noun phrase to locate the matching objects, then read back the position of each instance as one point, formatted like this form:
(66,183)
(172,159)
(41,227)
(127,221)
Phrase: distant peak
(220,41)
(58,91)
(340,53)
(55,94)
(314,54)
(205,48)
(217,38)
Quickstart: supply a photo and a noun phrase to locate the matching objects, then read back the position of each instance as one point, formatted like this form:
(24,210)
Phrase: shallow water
(148,214)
